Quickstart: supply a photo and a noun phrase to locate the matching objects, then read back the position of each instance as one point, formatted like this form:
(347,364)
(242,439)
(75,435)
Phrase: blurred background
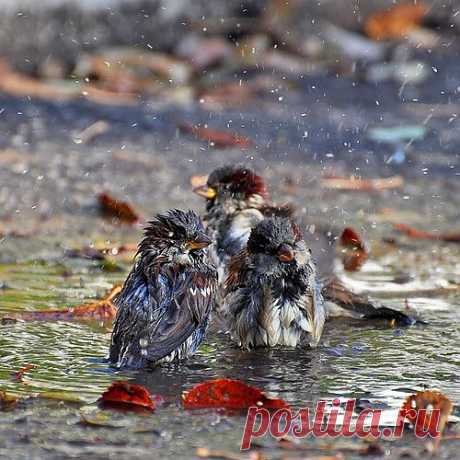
(118,96)
(111,110)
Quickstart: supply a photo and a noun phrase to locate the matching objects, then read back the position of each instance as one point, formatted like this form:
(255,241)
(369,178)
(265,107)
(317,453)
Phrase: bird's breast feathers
(284,318)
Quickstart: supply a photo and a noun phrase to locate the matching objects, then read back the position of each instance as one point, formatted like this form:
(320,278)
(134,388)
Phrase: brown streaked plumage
(165,303)
(235,206)
(272,296)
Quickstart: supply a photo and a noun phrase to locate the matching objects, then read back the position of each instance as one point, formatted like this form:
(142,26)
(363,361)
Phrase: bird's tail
(359,306)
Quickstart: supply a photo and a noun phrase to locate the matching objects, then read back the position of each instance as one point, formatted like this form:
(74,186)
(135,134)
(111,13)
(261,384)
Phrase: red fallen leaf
(219,139)
(422,235)
(127,394)
(428,400)
(228,394)
(121,210)
(18,376)
(395,22)
(354,252)
(361,185)
(101,310)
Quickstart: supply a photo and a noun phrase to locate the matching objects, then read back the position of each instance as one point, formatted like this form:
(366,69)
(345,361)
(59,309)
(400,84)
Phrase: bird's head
(175,236)
(233,186)
(275,246)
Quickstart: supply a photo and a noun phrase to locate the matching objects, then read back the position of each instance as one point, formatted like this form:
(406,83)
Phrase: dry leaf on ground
(100,310)
(218,139)
(354,250)
(422,235)
(125,394)
(362,185)
(395,22)
(429,402)
(228,394)
(121,210)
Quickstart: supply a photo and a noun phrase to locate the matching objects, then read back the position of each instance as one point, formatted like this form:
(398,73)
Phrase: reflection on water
(354,360)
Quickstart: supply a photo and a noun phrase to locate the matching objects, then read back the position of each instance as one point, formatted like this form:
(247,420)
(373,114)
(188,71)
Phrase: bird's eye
(170,234)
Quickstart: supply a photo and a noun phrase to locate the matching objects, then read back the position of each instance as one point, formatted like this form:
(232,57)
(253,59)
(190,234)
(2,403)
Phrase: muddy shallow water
(375,363)
(48,190)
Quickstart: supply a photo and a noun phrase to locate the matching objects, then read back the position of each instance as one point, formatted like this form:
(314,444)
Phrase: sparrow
(272,295)
(237,199)
(166,300)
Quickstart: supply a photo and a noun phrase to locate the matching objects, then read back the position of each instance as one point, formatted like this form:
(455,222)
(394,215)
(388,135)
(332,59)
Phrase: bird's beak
(285,253)
(205,191)
(199,242)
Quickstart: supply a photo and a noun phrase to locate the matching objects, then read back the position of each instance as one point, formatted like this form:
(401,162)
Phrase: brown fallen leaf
(422,235)
(232,94)
(86,252)
(8,401)
(111,207)
(127,70)
(428,401)
(395,22)
(354,250)
(218,139)
(92,131)
(18,376)
(16,84)
(362,185)
(103,309)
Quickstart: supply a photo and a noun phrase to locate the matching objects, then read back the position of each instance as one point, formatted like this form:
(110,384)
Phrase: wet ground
(48,188)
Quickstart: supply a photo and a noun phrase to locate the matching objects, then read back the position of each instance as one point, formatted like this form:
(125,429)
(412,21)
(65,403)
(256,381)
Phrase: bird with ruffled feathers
(237,199)
(165,303)
(272,295)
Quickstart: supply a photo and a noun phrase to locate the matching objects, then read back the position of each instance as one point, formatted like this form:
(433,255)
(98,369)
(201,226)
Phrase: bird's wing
(135,307)
(241,310)
(236,273)
(359,306)
(155,323)
(192,297)
(313,305)
(242,303)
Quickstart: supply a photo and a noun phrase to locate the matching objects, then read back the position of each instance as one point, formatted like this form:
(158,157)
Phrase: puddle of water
(354,360)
